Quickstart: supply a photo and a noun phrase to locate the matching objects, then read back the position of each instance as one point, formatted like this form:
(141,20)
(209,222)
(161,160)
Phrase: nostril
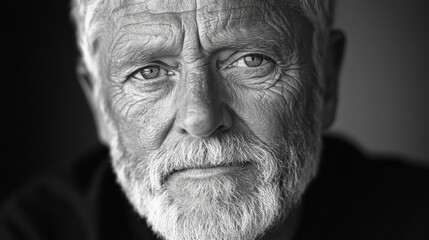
(182,131)
(222,128)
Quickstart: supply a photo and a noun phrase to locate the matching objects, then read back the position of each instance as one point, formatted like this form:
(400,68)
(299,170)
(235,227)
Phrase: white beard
(242,206)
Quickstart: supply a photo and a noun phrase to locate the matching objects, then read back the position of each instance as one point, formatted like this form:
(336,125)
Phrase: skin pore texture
(213,112)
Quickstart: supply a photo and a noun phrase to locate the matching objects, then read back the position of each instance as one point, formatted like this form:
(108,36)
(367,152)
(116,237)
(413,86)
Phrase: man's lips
(208,170)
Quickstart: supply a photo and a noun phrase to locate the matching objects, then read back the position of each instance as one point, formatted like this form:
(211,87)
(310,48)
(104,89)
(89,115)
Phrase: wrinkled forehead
(197,6)
(206,13)
(213,20)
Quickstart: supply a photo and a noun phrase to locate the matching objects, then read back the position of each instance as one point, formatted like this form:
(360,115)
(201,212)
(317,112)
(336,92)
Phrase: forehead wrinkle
(142,29)
(126,15)
(125,6)
(147,17)
(146,26)
(159,7)
(127,41)
(246,26)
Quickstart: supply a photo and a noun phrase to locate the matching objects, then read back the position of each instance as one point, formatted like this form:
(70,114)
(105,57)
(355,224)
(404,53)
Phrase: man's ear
(333,61)
(87,82)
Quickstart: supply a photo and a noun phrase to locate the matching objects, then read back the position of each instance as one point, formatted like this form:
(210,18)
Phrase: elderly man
(213,112)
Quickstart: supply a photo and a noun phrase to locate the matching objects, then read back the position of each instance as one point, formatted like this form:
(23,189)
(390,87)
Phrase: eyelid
(161,65)
(241,56)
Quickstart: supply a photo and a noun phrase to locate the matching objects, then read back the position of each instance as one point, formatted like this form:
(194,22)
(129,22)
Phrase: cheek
(142,120)
(263,112)
(272,114)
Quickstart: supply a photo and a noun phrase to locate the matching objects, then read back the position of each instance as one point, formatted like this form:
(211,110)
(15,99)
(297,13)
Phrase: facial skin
(212,112)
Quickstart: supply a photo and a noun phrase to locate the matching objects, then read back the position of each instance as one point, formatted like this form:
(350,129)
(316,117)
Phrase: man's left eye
(149,72)
(250,60)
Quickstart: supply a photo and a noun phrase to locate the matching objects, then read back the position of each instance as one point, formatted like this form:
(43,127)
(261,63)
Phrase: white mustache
(221,150)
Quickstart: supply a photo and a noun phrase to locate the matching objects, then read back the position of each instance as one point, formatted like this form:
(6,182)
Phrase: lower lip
(213,171)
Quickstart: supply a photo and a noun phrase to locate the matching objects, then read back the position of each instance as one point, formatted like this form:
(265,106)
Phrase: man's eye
(250,60)
(149,72)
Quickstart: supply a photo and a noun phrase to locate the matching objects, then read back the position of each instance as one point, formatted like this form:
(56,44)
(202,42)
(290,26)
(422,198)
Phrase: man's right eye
(149,72)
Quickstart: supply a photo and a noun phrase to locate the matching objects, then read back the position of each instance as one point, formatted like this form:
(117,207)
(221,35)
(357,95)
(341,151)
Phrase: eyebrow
(139,42)
(278,43)
(145,36)
(252,40)
(238,28)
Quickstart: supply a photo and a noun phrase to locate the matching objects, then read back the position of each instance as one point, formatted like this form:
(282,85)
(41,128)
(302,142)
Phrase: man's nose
(203,113)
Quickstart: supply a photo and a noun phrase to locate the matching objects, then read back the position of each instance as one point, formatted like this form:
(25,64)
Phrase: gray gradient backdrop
(384,93)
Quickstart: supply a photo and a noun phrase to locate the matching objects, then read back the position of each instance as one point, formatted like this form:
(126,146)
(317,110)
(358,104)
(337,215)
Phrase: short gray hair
(88,16)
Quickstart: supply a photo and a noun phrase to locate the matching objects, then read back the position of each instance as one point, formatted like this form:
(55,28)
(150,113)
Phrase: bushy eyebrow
(266,39)
(276,41)
(137,42)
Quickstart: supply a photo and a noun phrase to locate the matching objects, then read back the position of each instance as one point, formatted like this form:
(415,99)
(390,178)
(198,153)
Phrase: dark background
(47,119)
(384,90)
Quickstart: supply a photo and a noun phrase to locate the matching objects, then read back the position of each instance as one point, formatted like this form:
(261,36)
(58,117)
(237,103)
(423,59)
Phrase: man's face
(213,113)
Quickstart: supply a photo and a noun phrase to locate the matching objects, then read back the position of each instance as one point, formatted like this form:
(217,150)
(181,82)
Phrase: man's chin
(215,203)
